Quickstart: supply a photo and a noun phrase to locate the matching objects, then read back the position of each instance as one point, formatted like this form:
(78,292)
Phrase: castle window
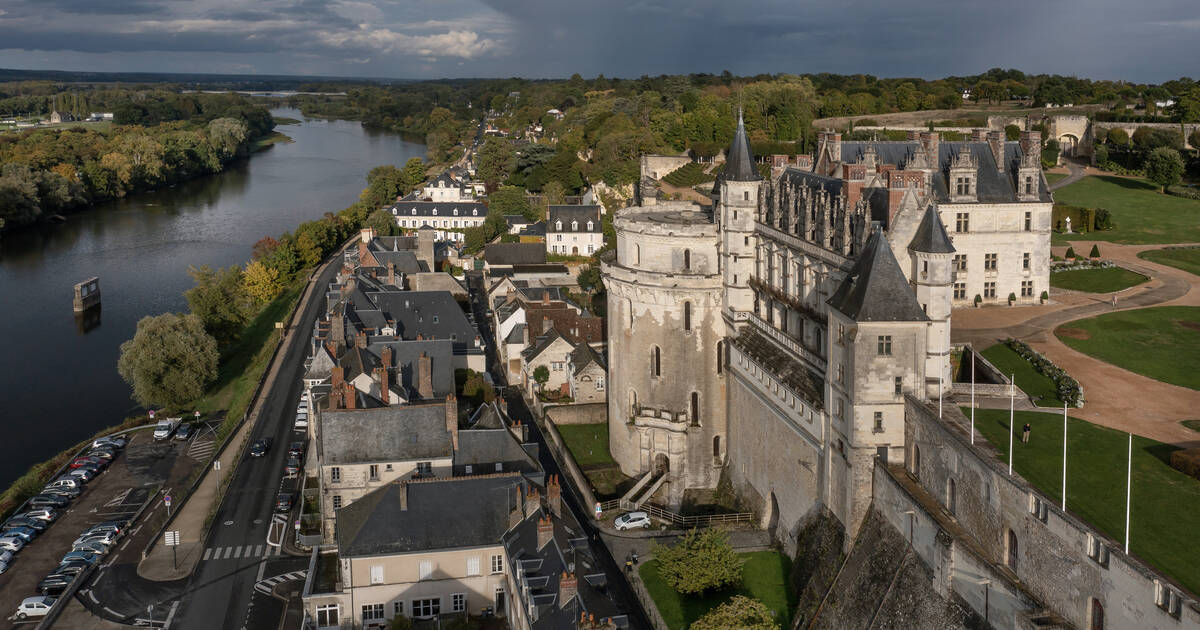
(655,362)
(951,496)
(841,373)
(1028,189)
(990,262)
(916,461)
(960,262)
(960,290)
(696,408)
(1028,221)
(962,185)
(716,446)
(989,289)
(899,385)
(962,222)
(878,428)
(1097,615)
(687,260)
(687,315)
(1025,260)
(1027,288)
(1010,555)
(884,345)
(720,357)
(745,195)
(633,404)
(637,254)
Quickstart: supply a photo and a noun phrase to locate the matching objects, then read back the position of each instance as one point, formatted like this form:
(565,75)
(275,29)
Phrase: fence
(688,522)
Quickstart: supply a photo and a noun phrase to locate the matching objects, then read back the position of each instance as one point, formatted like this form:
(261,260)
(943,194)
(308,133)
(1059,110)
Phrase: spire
(876,289)
(739,162)
(931,237)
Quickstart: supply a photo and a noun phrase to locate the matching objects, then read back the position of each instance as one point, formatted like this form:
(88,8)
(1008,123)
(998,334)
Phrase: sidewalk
(160,564)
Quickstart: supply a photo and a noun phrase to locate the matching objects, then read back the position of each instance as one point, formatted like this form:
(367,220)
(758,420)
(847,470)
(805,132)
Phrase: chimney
(337,330)
(1031,142)
(452,419)
(336,377)
(554,495)
(979,135)
(835,146)
(381,373)
(913,135)
(568,586)
(545,531)
(386,357)
(392,273)
(517,513)
(545,297)
(404,495)
(930,140)
(424,376)
(995,140)
(533,501)
(365,235)
(348,393)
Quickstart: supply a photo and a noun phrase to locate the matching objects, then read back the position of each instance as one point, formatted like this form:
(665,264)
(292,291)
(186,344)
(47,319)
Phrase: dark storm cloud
(1151,40)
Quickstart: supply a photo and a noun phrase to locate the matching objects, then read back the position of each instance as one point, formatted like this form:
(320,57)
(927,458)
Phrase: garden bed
(1066,389)
(1095,279)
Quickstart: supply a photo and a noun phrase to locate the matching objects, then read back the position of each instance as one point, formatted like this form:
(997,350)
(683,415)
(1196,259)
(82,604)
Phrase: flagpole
(1128,491)
(972,395)
(1012,397)
(939,395)
(1064,481)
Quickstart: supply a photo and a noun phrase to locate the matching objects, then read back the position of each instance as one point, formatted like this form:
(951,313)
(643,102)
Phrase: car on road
(630,520)
(48,500)
(54,584)
(36,524)
(42,514)
(301,421)
(260,448)
(297,450)
(73,557)
(114,441)
(80,462)
(11,543)
(292,467)
(94,548)
(184,431)
(34,607)
(283,502)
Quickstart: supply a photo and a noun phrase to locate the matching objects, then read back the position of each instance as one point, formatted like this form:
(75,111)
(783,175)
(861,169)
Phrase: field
(588,444)
(1185,258)
(1162,343)
(1140,213)
(1039,386)
(1164,519)
(1098,280)
(764,577)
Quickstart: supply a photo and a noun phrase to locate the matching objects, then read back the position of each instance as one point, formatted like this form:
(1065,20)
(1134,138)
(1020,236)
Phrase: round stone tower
(666,405)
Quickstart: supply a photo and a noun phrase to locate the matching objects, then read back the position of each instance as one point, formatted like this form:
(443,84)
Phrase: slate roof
(797,177)
(876,289)
(431,314)
(440,209)
(581,215)
(739,161)
(404,362)
(541,344)
(793,373)
(516,219)
(583,356)
(384,434)
(487,447)
(404,261)
(516,335)
(403,517)
(931,237)
(534,229)
(515,254)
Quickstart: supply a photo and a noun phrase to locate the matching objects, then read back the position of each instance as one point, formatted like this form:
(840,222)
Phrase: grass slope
(1050,177)
(1099,280)
(588,443)
(1162,343)
(1139,212)
(1185,258)
(1164,517)
(1039,386)
(764,577)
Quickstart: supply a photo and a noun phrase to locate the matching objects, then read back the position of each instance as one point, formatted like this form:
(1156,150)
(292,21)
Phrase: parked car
(42,514)
(68,493)
(301,421)
(184,432)
(86,474)
(66,481)
(95,548)
(302,407)
(25,533)
(292,467)
(297,450)
(260,448)
(6,557)
(35,524)
(34,607)
(113,441)
(48,500)
(12,543)
(101,453)
(85,557)
(283,502)
(106,526)
(166,427)
(71,568)
(80,462)
(105,538)
(631,520)
(54,584)
(4,563)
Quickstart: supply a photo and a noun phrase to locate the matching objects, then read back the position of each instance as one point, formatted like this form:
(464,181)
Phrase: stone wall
(592,413)
(658,166)
(1054,552)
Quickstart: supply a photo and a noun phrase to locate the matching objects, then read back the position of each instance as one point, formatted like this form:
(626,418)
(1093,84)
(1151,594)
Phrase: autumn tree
(170,361)
(261,282)
(739,612)
(702,561)
(263,247)
(219,299)
(227,136)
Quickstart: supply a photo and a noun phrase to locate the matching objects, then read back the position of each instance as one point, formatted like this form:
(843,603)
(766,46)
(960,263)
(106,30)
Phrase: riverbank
(266,142)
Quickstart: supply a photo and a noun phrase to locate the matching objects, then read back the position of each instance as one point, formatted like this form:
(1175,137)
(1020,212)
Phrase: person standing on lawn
(1025,433)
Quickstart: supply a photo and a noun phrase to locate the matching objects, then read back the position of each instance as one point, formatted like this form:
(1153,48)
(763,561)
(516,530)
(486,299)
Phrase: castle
(793,337)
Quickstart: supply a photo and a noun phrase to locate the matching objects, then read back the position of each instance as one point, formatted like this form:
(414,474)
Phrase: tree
(170,360)
(220,300)
(702,561)
(382,222)
(497,160)
(1164,167)
(413,174)
(1194,138)
(261,282)
(553,194)
(384,184)
(541,374)
(739,612)
(1117,136)
(589,279)
(1095,253)
(227,136)
(1012,132)
(263,247)
(511,200)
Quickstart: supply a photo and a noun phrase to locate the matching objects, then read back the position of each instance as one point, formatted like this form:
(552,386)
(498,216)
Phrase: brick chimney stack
(425,376)
(381,373)
(337,375)
(391,273)
(348,395)
(360,340)
(568,586)
(979,135)
(1031,143)
(452,419)
(545,297)
(533,501)
(554,495)
(995,140)
(545,532)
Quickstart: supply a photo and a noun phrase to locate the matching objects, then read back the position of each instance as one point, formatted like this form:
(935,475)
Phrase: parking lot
(136,475)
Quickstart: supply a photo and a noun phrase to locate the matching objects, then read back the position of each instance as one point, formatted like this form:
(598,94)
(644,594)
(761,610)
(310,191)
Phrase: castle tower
(932,277)
(737,206)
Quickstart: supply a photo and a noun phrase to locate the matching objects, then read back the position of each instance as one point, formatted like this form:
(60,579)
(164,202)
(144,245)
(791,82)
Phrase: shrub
(1104,219)
(1187,461)
(1187,192)
(1069,389)
(1012,297)
(702,561)
(1070,252)
(1045,296)
(1095,253)
(739,612)
(1117,136)
(978,299)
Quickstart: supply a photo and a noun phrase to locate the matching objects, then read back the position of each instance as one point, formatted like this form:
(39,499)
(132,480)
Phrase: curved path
(1077,173)
(1115,397)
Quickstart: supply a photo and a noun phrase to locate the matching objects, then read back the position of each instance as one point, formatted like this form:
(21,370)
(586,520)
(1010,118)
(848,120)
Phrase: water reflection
(87,321)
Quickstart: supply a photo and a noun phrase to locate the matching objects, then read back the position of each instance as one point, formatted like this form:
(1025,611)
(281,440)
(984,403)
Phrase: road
(221,590)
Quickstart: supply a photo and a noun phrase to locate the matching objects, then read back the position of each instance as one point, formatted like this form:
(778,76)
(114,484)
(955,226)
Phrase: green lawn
(1164,517)
(764,577)
(1054,177)
(1162,343)
(1185,258)
(1192,424)
(588,443)
(1039,386)
(1140,213)
(1098,280)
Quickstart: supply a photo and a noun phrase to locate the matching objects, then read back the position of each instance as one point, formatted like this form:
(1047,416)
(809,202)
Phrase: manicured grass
(1192,424)
(1162,343)
(1164,516)
(764,577)
(588,443)
(1098,280)
(1140,213)
(1185,258)
(1050,177)
(1039,386)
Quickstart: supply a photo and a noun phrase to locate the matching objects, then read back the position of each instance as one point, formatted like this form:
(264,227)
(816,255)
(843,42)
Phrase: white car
(12,543)
(34,607)
(301,421)
(44,514)
(105,538)
(631,520)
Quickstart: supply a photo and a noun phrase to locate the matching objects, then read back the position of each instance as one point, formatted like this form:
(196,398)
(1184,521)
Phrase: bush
(1117,136)
(1187,461)
(1045,296)
(1095,253)
(1069,389)
(1187,192)
(1012,297)
(702,561)
(1103,219)
(1070,252)
(739,612)
(978,299)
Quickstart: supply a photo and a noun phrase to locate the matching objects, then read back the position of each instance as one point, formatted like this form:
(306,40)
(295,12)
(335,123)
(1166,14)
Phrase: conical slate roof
(876,289)
(739,162)
(931,237)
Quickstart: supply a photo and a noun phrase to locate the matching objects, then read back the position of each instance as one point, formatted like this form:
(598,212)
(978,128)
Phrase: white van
(166,427)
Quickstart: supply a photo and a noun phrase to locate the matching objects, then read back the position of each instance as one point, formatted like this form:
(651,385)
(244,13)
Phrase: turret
(737,206)
(933,278)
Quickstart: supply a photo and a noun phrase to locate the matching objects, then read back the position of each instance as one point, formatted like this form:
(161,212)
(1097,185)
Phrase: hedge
(1082,219)
(1069,389)
(1187,461)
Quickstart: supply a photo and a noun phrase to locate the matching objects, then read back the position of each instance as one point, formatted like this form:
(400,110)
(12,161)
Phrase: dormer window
(558,226)
(590,226)
(1028,185)
(962,185)
(475,212)
(435,212)
(456,212)
(414,211)
(574,226)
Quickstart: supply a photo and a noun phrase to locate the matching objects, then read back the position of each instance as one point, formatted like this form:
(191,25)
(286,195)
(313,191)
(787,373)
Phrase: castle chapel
(772,336)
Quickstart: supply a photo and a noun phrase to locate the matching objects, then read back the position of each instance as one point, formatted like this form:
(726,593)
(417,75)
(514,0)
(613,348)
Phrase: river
(60,382)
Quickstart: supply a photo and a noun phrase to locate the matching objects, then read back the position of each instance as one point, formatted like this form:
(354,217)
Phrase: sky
(1141,41)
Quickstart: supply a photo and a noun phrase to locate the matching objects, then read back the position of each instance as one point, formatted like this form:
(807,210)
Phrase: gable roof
(739,161)
(542,344)
(431,314)
(440,209)
(581,215)
(583,356)
(876,289)
(515,253)
(384,434)
(931,237)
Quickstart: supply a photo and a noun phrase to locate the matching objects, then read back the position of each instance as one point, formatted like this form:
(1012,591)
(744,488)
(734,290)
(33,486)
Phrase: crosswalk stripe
(237,552)
(226,552)
(258,551)
(207,553)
